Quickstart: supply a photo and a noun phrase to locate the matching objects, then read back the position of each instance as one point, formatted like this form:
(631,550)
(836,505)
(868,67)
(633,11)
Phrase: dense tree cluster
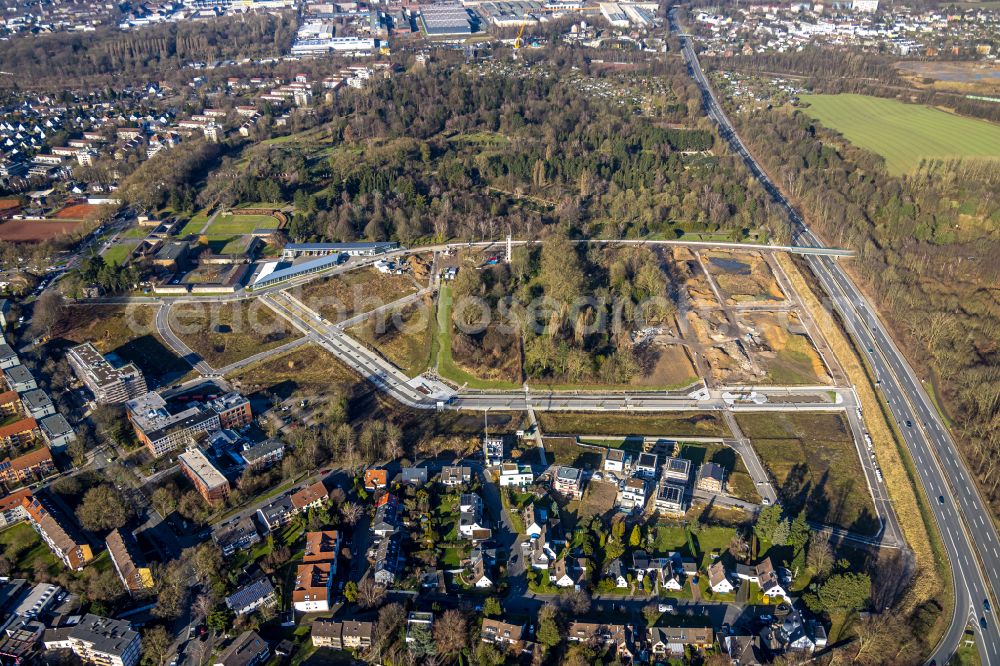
(928,253)
(488,155)
(69,56)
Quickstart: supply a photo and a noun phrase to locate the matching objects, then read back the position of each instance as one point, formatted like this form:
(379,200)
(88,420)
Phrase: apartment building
(98,640)
(31,466)
(206,477)
(313,583)
(11,509)
(162,431)
(568,481)
(19,433)
(237,534)
(58,532)
(109,384)
(130,564)
(233,410)
(322,546)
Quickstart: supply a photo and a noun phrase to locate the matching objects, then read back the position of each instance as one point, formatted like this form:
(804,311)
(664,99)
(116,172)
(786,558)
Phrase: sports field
(904,133)
(232,225)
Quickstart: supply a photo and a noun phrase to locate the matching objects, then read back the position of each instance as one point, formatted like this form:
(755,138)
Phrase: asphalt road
(969,536)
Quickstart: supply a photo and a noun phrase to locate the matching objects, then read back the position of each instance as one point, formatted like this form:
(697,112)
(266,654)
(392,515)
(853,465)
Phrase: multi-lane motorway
(969,535)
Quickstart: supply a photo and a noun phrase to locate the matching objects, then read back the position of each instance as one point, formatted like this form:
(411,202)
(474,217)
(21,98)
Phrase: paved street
(969,536)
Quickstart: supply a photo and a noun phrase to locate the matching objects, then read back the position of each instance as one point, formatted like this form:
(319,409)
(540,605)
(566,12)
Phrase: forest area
(490,155)
(928,249)
(73,56)
(572,307)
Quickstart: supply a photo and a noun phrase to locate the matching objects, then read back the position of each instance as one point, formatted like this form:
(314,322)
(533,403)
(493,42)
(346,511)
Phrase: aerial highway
(967,529)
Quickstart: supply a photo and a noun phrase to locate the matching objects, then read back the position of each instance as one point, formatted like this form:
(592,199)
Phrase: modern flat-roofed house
(249,649)
(236,534)
(58,532)
(8,358)
(57,431)
(206,477)
(109,385)
(614,461)
(252,596)
(568,481)
(633,494)
(19,379)
(512,474)
(99,640)
(670,498)
(711,478)
(677,469)
(645,466)
(36,403)
(130,564)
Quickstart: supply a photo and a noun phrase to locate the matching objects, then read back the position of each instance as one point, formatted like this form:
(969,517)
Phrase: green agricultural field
(904,133)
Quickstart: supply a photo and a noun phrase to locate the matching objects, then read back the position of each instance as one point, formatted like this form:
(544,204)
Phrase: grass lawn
(223,333)
(194,225)
(904,133)
(665,424)
(968,654)
(441,350)
(669,538)
(812,457)
(403,338)
(23,547)
(737,477)
(135,232)
(117,253)
(235,225)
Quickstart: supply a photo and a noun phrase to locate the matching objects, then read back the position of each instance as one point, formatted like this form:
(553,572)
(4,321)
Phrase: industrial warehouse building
(445,20)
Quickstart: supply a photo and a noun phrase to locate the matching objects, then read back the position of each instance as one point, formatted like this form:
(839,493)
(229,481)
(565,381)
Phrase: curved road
(967,530)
